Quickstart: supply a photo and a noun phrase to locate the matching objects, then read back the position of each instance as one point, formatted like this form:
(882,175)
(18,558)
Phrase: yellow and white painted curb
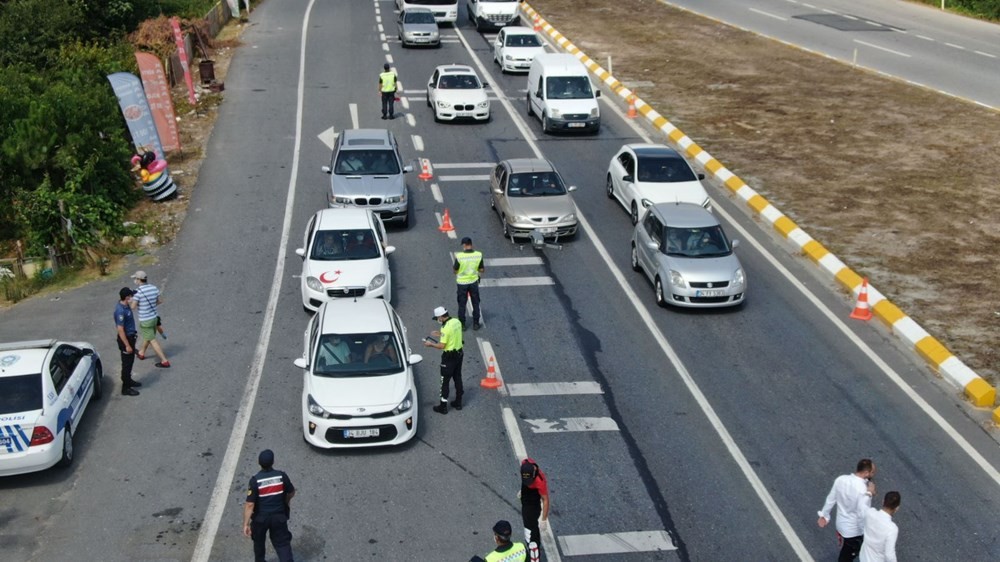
(978,391)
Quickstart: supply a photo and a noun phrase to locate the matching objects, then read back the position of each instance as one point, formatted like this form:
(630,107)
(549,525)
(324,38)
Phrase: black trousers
(851,548)
(388,102)
(530,513)
(281,537)
(128,359)
(451,370)
(465,293)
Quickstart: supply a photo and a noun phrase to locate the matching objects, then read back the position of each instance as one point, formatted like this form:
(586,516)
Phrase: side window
(628,163)
(503,180)
(64,362)
(313,335)
(434,79)
(378,230)
(655,230)
(541,81)
(309,233)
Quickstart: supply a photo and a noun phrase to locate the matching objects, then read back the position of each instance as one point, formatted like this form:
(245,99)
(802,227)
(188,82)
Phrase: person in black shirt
(267,509)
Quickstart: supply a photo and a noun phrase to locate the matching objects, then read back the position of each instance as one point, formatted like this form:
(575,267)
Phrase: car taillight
(41,435)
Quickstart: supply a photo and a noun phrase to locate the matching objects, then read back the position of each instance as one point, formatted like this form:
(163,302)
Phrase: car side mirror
(571,188)
(87,352)
(301,363)
(653,245)
(415,358)
(301,252)
(628,178)
(407,168)
(327,169)
(431,85)
(735,243)
(597,93)
(486,84)
(701,176)
(389,250)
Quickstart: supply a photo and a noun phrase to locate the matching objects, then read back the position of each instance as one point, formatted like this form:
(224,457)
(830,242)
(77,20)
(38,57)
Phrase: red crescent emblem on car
(323,279)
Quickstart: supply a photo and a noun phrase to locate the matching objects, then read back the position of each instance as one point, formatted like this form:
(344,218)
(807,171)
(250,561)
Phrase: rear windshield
(22,393)
(664,169)
(568,88)
(371,162)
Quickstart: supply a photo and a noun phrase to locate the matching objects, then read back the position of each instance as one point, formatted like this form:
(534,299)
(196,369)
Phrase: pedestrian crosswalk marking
(560,425)
(554,388)
(452,165)
(500,262)
(516,282)
(615,543)
(464,178)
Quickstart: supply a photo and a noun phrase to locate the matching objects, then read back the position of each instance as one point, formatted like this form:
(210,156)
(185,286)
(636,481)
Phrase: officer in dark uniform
(267,509)
(125,327)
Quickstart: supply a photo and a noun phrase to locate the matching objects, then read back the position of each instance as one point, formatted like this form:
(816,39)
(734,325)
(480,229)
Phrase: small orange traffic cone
(491,380)
(446,225)
(538,23)
(425,169)
(632,113)
(861,309)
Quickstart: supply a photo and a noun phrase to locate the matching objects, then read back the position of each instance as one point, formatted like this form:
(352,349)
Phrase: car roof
(24,357)
(517,30)
(519,165)
(646,149)
(561,64)
(455,69)
(355,316)
(685,215)
(364,138)
(343,219)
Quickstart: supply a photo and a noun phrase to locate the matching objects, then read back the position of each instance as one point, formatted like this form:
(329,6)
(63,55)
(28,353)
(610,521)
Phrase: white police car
(45,385)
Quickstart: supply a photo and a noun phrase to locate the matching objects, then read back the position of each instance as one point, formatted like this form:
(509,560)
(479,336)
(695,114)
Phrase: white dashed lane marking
(463,178)
(554,388)
(514,281)
(454,165)
(436,192)
(499,262)
(615,543)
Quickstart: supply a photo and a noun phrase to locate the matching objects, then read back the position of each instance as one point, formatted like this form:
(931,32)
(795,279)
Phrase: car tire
(429,100)
(661,300)
(98,382)
(506,229)
(611,187)
(635,258)
(67,448)
(634,213)
(406,221)
(545,124)
(531,112)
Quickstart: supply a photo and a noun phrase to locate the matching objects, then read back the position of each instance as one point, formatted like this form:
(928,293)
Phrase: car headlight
(377,282)
(396,198)
(313,407)
(738,279)
(434,34)
(594,112)
(508,57)
(518,218)
(677,280)
(339,200)
(555,113)
(569,218)
(483,104)
(314,284)
(442,104)
(405,405)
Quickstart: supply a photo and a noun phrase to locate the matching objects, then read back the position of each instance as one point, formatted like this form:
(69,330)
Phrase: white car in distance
(641,175)
(515,47)
(344,255)
(454,91)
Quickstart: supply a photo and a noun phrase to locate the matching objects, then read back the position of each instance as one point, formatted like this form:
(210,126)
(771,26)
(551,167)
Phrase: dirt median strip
(584,15)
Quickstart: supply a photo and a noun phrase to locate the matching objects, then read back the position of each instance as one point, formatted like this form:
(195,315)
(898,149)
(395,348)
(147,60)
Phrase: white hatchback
(45,386)
(454,91)
(344,255)
(641,175)
(515,47)
(357,385)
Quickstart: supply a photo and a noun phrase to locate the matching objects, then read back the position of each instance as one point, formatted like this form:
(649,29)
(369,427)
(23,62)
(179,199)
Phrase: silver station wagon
(529,195)
(367,172)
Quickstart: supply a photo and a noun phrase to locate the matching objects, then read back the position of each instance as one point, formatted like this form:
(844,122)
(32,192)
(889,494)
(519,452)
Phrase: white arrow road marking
(558,425)
(328,137)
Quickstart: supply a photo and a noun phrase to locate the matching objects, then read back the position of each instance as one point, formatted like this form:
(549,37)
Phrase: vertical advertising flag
(161,105)
(182,55)
(234,8)
(135,109)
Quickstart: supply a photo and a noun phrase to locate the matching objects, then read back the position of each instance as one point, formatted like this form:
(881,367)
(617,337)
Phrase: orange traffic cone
(425,169)
(446,225)
(538,23)
(491,380)
(861,309)
(632,113)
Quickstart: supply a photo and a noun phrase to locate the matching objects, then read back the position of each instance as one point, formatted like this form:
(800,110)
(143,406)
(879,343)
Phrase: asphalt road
(914,42)
(713,435)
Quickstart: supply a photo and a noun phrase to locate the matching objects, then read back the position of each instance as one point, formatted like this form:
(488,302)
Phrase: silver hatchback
(529,195)
(683,250)
(367,172)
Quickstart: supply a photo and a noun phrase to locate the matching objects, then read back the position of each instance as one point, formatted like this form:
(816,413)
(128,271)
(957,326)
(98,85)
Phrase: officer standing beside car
(387,87)
(451,359)
(126,332)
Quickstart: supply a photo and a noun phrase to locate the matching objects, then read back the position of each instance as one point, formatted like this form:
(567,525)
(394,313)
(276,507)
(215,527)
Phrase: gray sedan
(528,194)
(417,27)
(683,250)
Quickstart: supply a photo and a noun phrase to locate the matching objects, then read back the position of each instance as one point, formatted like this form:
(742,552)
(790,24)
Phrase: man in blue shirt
(125,325)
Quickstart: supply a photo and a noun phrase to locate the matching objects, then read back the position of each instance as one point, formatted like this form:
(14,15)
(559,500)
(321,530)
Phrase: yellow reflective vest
(388,81)
(468,267)
(516,553)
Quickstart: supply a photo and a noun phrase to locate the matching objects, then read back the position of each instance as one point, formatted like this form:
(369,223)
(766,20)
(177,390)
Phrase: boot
(441,408)
(457,404)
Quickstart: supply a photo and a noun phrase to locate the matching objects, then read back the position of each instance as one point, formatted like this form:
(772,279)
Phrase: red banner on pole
(182,54)
(154,82)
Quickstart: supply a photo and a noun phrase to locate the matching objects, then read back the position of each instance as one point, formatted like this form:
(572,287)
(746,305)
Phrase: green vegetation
(985,9)
(189,8)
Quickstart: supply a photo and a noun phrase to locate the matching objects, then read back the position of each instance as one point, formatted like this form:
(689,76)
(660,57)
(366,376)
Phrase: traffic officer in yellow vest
(506,551)
(451,359)
(468,268)
(387,86)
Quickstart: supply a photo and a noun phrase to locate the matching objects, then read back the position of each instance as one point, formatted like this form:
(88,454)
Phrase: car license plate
(356,433)
(464,114)
(576,125)
(420,40)
(710,293)
(547,230)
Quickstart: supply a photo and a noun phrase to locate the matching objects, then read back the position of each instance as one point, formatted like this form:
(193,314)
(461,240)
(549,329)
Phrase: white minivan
(561,95)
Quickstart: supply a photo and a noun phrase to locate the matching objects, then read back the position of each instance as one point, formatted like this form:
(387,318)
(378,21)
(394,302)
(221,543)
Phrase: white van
(561,95)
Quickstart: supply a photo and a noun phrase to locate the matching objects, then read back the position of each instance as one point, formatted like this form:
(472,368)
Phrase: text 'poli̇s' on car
(529,196)
(357,384)
(515,47)
(367,172)
(345,254)
(45,386)
(417,27)
(644,174)
(683,250)
(455,92)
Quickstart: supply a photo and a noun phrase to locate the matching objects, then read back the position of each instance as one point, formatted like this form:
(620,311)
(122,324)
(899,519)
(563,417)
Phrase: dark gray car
(367,172)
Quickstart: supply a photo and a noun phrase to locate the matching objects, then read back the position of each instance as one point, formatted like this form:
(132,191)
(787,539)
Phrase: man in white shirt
(852,494)
(881,532)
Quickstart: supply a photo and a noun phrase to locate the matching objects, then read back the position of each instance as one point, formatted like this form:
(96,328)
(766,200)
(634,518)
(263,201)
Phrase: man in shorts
(146,302)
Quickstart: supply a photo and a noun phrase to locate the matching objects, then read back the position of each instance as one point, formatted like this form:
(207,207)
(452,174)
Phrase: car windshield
(366,162)
(335,245)
(701,242)
(21,393)
(357,355)
(418,17)
(535,184)
(568,88)
(459,82)
(523,41)
(659,169)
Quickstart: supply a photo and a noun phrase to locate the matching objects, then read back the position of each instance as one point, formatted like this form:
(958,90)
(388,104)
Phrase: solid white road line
(436,192)
(500,262)
(354,115)
(560,425)
(418,143)
(227,471)
(514,281)
(616,543)
(763,13)
(554,388)
(517,443)
(873,46)
(463,178)
(452,165)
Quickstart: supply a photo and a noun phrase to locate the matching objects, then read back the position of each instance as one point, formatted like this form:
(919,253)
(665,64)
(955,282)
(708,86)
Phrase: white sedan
(45,386)
(641,175)
(515,47)
(344,255)
(456,92)
(357,384)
